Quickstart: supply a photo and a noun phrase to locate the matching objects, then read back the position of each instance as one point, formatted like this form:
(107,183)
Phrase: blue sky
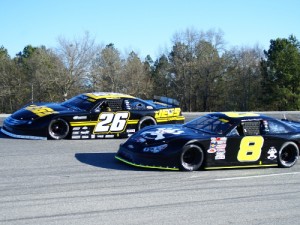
(146,27)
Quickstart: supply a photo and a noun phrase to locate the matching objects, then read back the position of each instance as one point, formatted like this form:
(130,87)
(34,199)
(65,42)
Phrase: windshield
(80,102)
(210,124)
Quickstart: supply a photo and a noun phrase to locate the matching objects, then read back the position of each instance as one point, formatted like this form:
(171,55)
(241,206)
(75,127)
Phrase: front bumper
(22,136)
(20,129)
(147,160)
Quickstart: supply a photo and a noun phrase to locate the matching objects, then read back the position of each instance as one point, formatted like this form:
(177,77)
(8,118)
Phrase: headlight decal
(155,149)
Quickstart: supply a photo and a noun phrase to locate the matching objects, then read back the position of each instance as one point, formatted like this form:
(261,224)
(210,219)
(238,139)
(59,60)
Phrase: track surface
(80,182)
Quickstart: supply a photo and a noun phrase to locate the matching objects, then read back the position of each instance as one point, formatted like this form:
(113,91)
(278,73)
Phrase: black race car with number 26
(215,141)
(91,115)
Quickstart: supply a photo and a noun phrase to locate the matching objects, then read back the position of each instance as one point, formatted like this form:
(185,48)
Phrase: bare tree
(78,57)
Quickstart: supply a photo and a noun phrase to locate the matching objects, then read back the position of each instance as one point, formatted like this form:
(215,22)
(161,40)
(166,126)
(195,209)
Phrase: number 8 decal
(250,148)
(111,122)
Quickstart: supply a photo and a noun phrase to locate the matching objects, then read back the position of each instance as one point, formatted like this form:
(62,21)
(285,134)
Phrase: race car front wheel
(58,129)
(191,158)
(288,155)
(146,121)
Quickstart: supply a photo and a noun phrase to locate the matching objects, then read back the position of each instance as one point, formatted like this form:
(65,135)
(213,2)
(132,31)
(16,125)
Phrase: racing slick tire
(146,121)
(191,157)
(288,155)
(58,129)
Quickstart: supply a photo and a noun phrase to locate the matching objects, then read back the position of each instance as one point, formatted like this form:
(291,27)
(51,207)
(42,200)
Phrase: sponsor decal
(212,145)
(79,117)
(76,136)
(165,113)
(109,136)
(218,147)
(220,155)
(76,128)
(272,153)
(212,150)
(221,146)
(159,133)
(130,130)
(155,149)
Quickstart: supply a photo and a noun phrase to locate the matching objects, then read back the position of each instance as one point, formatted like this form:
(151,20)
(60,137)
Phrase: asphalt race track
(80,182)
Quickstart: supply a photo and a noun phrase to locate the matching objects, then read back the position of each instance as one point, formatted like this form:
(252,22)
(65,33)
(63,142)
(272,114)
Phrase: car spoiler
(166,100)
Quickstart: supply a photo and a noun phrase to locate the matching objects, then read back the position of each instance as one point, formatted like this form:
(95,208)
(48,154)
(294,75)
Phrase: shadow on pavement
(103,160)
(108,161)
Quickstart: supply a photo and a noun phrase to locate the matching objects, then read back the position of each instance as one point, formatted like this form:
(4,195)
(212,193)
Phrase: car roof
(238,116)
(107,95)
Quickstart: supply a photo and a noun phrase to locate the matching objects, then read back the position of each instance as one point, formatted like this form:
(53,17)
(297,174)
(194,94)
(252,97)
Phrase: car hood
(39,110)
(165,133)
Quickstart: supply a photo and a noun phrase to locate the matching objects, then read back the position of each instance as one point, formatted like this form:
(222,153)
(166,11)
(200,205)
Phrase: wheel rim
(58,129)
(288,155)
(192,159)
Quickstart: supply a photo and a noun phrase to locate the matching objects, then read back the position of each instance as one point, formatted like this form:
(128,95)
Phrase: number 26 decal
(112,122)
(250,148)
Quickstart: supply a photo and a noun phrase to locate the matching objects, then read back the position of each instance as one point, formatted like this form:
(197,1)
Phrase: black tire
(58,129)
(191,158)
(288,155)
(146,121)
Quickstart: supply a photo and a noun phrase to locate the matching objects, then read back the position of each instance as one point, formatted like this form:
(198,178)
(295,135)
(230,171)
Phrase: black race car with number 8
(215,141)
(91,115)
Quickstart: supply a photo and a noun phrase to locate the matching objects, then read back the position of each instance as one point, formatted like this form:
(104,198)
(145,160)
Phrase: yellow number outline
(250,148)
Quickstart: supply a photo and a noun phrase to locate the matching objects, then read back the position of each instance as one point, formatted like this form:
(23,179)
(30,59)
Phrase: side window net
(115,105)
(250,128)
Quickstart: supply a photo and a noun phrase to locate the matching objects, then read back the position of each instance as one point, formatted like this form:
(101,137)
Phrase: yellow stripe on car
(237,167)
(240,114)
(105,95)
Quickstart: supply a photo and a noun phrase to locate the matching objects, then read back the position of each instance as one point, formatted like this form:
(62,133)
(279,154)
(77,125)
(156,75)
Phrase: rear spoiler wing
(166,100)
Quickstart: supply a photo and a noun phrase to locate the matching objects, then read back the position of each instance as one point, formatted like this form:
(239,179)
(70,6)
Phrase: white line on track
(257,176)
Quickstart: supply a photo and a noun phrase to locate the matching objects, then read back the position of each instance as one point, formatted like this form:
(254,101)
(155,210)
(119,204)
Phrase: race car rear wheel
(146,121)
(288,155)
(58,129)
(191,158)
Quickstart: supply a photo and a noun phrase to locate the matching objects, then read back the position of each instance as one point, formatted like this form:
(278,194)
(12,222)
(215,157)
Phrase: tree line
(198,71)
